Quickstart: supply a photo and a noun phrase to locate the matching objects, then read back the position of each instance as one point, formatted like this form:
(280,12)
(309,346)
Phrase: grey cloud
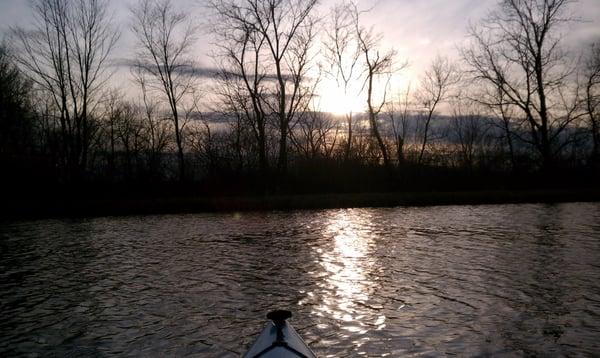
(199,71)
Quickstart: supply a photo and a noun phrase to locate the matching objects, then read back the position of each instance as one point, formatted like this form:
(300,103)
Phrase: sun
(333,99)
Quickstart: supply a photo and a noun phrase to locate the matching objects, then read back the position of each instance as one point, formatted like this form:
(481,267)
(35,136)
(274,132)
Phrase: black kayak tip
(279,316)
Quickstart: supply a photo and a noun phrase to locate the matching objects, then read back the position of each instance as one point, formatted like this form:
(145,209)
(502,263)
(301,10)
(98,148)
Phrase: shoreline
(41,209)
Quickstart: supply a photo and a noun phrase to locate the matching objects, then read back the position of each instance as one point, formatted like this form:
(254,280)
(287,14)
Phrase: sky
(417,29)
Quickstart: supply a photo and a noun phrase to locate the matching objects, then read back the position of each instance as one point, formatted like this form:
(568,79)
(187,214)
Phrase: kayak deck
(279,339)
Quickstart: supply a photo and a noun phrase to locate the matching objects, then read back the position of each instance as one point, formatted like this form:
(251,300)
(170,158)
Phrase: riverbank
(29,208)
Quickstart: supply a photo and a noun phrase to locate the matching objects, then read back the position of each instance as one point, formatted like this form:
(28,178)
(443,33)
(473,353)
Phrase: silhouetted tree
(500,108)
(342,52)
(112,103)
(165,38)
(242,76)
(66,55)
(592,97)
(315,134)
(469,128)
(282,31)
(247,126)
(517,49)
(157,127)
(436,85)
(399,113)
(377,67)
(16,116)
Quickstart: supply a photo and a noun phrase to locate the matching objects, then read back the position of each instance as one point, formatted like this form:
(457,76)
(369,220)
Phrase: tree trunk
(282,162)
(349,139)
(425,137)
(596,141)
(546,150)
(179,146)
(262,151)
(400,149)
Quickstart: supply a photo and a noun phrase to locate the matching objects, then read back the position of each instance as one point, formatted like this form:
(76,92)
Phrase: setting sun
(332,99)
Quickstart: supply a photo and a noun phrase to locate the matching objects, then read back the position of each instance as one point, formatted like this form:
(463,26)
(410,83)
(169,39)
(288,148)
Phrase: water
(466,280)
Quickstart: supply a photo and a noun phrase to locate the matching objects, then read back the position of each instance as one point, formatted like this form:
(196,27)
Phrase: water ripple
(462,280)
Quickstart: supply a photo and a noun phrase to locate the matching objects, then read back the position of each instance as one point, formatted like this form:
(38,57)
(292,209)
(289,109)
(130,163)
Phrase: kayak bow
(279,339)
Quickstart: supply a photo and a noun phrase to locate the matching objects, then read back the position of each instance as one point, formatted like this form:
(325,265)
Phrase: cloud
(419,29)
(196,71)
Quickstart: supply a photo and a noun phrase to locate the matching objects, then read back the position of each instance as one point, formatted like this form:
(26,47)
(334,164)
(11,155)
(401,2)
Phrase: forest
(516,108)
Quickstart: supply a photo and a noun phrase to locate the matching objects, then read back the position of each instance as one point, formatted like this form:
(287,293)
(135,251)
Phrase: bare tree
(315,134)
(129,132)
(494,99)
(592,97)
(112,103)
(469,129)
(157,128)
(165,38)
(517,49)
(436,86)
(66,54)
(343,54)
(242,76)
(377,67)
(399,114)
(284,29)
(246,131)
(16,125)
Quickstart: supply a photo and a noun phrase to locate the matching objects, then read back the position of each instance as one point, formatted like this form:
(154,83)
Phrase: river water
(465,280)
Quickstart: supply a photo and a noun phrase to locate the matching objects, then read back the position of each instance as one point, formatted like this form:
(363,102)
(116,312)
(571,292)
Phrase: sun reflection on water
(345,282)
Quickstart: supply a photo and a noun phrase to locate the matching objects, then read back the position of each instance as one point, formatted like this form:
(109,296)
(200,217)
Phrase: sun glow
(333,99)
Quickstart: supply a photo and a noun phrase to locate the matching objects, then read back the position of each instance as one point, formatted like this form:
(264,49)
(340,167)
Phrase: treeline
(518,108)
